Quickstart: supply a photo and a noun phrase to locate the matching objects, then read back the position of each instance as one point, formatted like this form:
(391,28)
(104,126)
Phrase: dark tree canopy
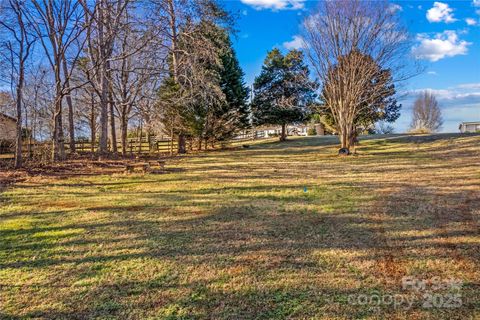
(234,114)
(283,91)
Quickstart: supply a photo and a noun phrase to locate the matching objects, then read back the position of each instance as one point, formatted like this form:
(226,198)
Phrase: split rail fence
(134,146)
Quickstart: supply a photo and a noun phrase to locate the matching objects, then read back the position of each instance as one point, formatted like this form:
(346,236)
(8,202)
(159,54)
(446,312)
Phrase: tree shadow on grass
(246,252)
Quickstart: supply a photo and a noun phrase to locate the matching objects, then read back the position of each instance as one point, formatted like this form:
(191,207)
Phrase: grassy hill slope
(274,231)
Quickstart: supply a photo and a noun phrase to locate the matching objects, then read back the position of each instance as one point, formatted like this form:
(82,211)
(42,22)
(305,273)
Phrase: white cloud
(440,12)
(442,45)
(432,73)
(469,86)
(476,3)
(275,4)
(466,93)
(471,22)
(395,8)
(295,43)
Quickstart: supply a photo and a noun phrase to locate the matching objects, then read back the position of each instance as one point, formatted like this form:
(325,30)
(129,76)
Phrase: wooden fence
(134,146)
(249,135)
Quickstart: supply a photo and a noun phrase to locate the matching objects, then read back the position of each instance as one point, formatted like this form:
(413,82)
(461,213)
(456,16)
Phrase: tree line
(169,66)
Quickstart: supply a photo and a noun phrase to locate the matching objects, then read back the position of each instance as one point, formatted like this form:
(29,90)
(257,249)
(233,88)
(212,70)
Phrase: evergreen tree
(212,105)
(234,114)
(283,91)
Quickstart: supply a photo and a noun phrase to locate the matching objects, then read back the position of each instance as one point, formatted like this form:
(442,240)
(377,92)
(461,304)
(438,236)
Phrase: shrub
(420,131)
(311,132)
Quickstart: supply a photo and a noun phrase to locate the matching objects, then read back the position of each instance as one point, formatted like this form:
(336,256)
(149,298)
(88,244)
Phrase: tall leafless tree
(426,114)
(16,49)
(104,21)
(59,25)
(337,29)
(138,64)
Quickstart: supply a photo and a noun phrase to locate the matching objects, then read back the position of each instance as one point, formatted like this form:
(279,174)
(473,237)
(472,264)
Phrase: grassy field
(276,231)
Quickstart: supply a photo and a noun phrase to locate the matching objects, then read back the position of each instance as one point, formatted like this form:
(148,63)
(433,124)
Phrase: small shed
(470,127)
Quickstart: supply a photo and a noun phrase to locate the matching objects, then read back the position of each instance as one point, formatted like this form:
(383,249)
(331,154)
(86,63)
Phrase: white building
(292,130)
(469,127)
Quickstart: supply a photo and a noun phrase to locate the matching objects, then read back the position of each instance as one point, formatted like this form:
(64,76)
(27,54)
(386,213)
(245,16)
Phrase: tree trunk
(113,131)
(71,125)
(124,129)
(171,140)
(103,139)
(181,144)
(353,140)
(173,30)
(345,134)
(140,140)
(18,137)
(199,143)
(343,143)
(283,136)
(58,152)
(93,125)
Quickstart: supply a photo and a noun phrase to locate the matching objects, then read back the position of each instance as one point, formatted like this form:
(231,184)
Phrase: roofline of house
(471,122)
(7,116)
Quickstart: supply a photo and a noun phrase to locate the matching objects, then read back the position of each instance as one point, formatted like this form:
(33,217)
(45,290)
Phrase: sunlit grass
(272,231)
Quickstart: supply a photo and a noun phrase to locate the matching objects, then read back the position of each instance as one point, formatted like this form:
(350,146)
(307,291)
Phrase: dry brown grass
(277,231)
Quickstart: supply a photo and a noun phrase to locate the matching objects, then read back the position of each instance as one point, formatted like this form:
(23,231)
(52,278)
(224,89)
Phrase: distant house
(298,130)
(292,130)
(469,127)
(7,128)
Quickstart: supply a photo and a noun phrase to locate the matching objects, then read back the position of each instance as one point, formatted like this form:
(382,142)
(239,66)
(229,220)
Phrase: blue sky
(447,37)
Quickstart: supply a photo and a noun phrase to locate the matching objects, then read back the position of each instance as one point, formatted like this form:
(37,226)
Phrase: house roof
(471,122)
(7,117)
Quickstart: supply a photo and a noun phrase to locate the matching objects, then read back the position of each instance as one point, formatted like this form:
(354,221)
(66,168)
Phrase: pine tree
(212,105)
(283,91)
(233,115)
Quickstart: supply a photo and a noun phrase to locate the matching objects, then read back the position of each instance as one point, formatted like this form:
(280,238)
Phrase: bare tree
(59,25)
(86,99)
(336,30)
(38,105)
(426,114)
(134,73)
(17,48)
(104,21)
